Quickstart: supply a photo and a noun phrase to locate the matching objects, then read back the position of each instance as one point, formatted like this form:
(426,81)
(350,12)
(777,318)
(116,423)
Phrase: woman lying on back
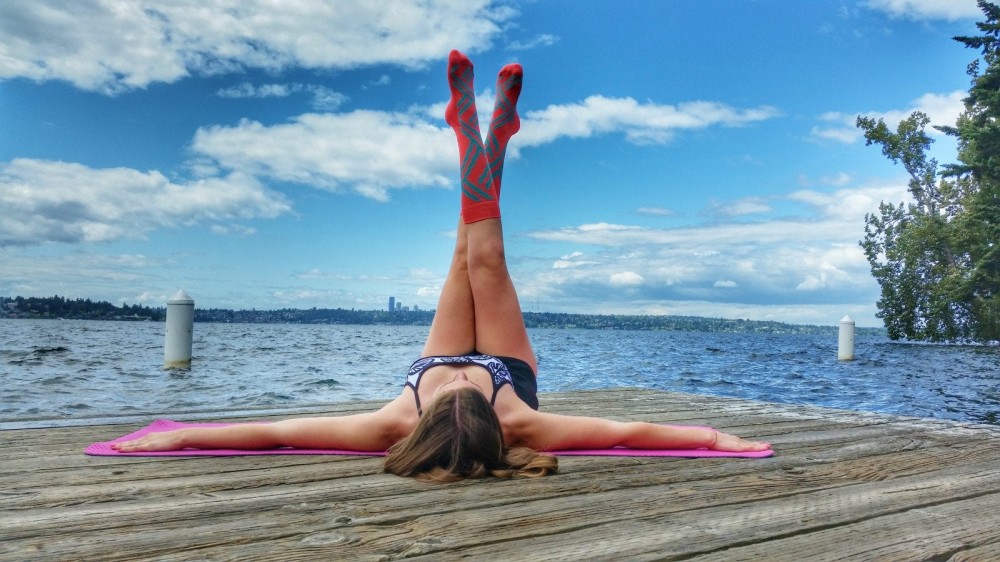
(468,407)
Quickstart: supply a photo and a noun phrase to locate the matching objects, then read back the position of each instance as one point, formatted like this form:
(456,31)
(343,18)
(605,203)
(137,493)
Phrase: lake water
(58,372)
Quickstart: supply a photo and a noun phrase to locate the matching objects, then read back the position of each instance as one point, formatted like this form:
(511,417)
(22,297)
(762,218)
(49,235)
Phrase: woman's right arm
(371,431)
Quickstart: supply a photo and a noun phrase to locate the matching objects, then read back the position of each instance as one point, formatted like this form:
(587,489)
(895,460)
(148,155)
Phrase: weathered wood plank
(90,486)
(914,534)
(836,475)
(990,551)
(652,527)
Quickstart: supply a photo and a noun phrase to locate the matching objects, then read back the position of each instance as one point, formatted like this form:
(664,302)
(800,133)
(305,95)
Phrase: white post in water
(845,344)
(180,329)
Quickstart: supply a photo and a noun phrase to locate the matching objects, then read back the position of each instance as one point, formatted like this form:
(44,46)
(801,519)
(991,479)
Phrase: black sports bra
(498,371)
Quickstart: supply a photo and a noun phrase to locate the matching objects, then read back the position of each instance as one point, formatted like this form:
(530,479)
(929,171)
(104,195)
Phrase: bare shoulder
(544,431)
(529,428)
(398,417)
(516,420)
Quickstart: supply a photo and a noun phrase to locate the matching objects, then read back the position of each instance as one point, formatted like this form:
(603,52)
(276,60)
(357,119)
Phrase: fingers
(732,443)
(127,446)
(165,441)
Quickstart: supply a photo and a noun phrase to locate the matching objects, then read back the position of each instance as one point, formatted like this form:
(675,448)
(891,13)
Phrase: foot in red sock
(505,122)
(479,200)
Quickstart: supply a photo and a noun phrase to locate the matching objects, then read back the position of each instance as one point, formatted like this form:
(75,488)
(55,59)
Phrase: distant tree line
(86,309)
(59,307)
(675,323)
(315,316)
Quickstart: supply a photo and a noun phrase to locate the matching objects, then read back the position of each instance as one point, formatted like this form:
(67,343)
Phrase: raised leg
(478,308)
(453,331)
(499,321)
(479,199)
(505,122)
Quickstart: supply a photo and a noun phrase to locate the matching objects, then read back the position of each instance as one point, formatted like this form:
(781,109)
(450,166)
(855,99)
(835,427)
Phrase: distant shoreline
(80,309)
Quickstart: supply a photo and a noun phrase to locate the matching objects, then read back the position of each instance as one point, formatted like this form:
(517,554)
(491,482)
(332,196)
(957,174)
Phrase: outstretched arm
(372,431)
(553,432)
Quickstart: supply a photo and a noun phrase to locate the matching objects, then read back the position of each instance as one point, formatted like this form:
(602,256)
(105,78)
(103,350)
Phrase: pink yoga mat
(104,448)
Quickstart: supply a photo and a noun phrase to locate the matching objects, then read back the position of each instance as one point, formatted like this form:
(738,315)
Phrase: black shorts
(525,385)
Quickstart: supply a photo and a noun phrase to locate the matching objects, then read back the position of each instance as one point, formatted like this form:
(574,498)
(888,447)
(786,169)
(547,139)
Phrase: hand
(732,443)
(163,441)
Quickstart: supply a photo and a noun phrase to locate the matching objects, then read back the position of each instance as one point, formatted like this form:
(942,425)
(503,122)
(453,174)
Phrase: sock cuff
(480,211)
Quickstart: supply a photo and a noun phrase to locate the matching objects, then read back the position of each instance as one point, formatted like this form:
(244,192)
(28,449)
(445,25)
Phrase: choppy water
(58,372)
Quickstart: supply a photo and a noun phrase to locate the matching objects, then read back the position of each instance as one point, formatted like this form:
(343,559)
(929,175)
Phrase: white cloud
(928,9)
(838,180)
(429,292)
(709,238)
(423,274)
(850,204)
(110,47)
(606,227)
(808,258)
(383,80)
(942,109)
(324,98)
(741,207)
(248,90)
(81,273)
(367,152)
(576,259)
(626,278)
(642,123)
(541,40)
(58,201)
(233,230)
(844,133)
(655,211)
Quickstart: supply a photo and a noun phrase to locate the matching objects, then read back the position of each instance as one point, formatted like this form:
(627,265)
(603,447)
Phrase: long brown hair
(459,436)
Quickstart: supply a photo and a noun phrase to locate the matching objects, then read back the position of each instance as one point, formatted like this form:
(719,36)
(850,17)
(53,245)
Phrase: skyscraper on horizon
(392,304)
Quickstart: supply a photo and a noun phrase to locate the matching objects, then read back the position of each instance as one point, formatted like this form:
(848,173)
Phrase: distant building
(392,304)
(399,307)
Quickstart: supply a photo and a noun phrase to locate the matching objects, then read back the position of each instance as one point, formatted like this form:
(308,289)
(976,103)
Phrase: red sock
(479,200)
(505,120)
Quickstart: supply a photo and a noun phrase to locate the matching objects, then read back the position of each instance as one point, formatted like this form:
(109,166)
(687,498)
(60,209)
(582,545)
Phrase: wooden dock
(841,486)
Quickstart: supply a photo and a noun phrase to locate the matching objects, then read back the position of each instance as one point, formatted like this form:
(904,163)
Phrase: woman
(468,407)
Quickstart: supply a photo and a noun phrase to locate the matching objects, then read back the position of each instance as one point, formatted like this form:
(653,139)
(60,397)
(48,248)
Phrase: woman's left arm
(553,432)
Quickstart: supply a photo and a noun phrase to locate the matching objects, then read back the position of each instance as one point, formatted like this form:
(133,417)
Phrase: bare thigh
(499,322)
(453,331)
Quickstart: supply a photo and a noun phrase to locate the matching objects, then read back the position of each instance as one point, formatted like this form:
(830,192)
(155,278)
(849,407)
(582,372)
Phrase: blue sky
(675,157)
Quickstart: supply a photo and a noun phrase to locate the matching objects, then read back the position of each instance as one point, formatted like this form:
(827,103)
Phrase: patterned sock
(505,120)
(479,200)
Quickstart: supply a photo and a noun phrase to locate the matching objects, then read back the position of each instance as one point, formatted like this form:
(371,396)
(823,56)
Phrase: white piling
(845,343)
(180,331)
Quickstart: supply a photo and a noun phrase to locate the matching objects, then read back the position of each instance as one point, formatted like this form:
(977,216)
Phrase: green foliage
(978,130)
(61,307)
(937,259)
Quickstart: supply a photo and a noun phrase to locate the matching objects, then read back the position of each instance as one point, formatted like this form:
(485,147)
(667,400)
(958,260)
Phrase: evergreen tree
(937,259)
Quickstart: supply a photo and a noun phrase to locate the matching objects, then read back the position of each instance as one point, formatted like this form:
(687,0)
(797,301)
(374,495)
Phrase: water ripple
(62,369)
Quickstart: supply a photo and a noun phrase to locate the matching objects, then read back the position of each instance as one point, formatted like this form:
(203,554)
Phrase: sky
(674,157)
